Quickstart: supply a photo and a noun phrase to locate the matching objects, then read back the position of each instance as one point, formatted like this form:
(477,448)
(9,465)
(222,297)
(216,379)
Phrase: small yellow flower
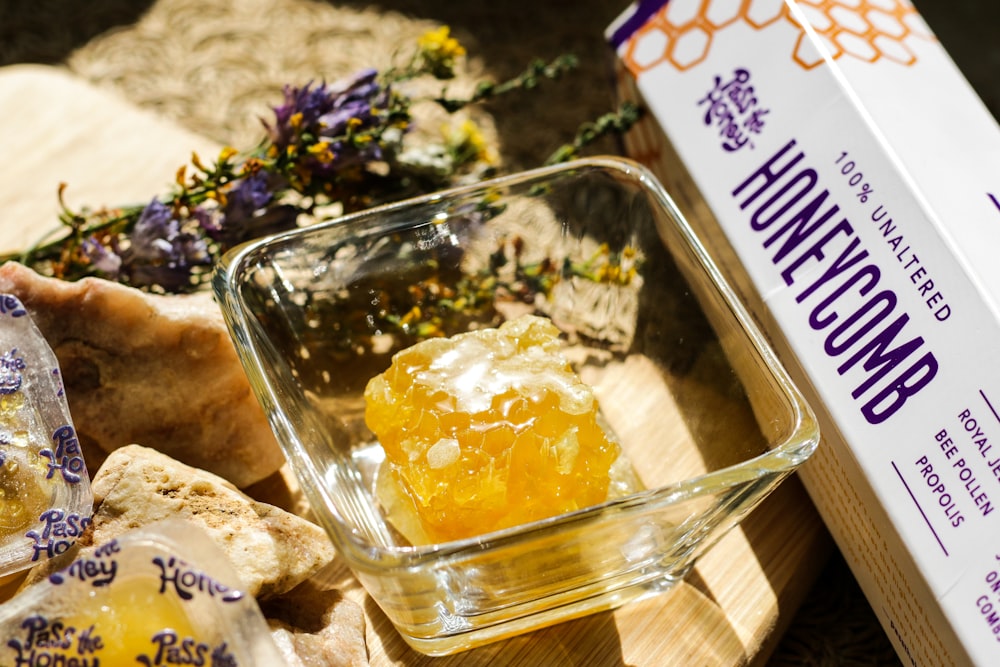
(412,316)
(429,330)
(321,150)
(295,121)
(218,196)
(225,154)
(468,144)
(492,197)
(440,43)
(439,51)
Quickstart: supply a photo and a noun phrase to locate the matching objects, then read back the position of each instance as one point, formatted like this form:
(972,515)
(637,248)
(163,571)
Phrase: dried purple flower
(352,101)
(210,221)
(250,195)
(161,253)
(152,236)
(330,147)
(322,134)
(326,110)
(104,259)
(264,222)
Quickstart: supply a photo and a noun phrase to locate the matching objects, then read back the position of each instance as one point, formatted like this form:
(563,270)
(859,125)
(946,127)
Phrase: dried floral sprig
(435,298)
(615,122)
(529,79)
(329,149)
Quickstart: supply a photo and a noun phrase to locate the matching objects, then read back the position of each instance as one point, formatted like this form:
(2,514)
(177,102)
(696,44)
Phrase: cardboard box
(845,174)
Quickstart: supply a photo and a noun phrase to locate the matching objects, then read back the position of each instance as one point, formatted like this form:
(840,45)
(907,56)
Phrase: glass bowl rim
(783,458)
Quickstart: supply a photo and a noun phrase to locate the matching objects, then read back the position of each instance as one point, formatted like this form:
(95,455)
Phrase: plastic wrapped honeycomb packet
(45,496)
(158,595)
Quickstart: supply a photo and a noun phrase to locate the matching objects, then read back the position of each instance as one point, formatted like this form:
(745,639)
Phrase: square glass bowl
(686,382)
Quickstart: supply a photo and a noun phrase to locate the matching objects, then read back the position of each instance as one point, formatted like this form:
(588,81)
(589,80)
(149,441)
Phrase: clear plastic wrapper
(163,594)
(45,496)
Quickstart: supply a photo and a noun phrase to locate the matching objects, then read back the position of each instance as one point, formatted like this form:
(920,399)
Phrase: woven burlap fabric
(217,66)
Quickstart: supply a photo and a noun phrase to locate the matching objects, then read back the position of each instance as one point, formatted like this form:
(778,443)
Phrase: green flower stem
(536,72)
(615,122)
(298,169)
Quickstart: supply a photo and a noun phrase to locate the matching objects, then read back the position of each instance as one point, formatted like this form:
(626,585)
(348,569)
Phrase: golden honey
(132,618)
(486,430)
(24,495)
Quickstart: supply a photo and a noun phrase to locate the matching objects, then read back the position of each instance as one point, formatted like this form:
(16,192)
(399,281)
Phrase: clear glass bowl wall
(688,385)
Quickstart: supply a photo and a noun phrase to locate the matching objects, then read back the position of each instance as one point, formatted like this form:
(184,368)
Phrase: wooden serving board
(731,610)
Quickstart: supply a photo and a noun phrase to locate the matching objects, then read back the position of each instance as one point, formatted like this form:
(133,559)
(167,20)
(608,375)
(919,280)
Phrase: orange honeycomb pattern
(682,33)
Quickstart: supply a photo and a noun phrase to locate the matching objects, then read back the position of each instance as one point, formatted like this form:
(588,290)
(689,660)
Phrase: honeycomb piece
(487,430)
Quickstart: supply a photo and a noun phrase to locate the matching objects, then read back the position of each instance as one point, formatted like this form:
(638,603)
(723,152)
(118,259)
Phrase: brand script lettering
(9,305)
(11,369)
(171,649)
(185,581)
(732,106)
(47,643)
(58,532)
(66,456)
(97,571)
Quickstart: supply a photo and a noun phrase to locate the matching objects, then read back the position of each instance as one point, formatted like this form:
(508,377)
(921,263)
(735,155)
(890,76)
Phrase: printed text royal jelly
(839,286)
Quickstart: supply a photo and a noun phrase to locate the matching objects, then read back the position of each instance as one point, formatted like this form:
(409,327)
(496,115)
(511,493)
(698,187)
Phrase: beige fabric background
(216,66)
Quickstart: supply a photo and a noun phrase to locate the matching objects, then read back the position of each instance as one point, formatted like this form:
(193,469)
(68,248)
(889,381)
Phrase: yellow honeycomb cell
(805,52)
(818,19)
(486,430)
